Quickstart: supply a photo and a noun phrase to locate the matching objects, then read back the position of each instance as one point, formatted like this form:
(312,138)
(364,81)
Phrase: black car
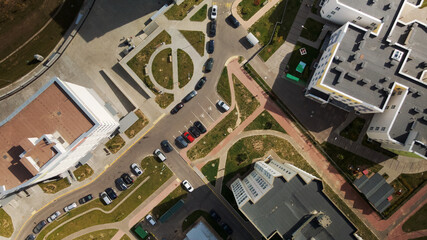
(127,178)
(30,237)
(177,108)
(209,65)
(227,228)
(215,216)
(180,142)
(200,83)
(121,185)
(85,199)
(211,46)
(111,193)
(166,146)
(200,126)
(39,226)
(212,28)
(190,96)
(194,132)
(233,21)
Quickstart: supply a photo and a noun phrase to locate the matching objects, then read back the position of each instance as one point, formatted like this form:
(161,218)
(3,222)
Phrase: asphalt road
(201,108)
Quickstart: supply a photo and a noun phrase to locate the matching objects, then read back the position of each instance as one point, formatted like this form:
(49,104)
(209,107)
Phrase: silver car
(69,207)
(54,216)
(223,106)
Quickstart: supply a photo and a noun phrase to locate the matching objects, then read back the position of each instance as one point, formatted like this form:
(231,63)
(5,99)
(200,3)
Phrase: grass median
(210,170)
(265,121)
(246,102)
(200,15)
(155,174)
(196,39)
(101,234)
(223,87)
(6,226)
(179,12)
(138,125)
(55,186)
(185,68)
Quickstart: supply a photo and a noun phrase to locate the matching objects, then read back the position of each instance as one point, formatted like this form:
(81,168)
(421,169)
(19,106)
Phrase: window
(393,106)
(373,24)
(329,16)
(371,128)
(383,129)
(386,107)
(359,17)
(377,128)
(333,12)
(354,21)
(337,8)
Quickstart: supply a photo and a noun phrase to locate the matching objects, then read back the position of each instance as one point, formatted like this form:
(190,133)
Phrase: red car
(188,137)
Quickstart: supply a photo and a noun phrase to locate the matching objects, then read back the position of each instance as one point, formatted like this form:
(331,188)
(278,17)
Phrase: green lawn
(141,59)
(196,39)
(404,153)
(185,68)
(210,170)
(101,234)
(6,226)
(55,186)
(245,100)
(296,57)
(176,195)
(199,213)
(162,69)
(179,12)
(156,172)
(125,237)
(213,137)
(247,8)
(376,146)
(349,162)
(223,87)
(315,6)
(265,121)
(164,99)
(23,61)
(115,144)
(138,125)
(263,28)
(311,29)
(353,130)
(83,172)
(200,15)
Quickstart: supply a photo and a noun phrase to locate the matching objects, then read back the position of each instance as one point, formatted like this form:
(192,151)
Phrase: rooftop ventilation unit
(397,55)
(385,79)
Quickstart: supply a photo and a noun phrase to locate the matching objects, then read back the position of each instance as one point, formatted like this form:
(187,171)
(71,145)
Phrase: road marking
(191,122)
(206,112)
(180,132)
(228,5)
(185,126)
(210,101)
(195,116)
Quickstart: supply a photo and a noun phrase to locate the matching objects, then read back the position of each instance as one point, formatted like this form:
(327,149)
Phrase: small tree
(257,2)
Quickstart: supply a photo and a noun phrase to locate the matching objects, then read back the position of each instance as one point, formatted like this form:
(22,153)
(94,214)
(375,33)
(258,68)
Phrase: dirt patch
(258,145)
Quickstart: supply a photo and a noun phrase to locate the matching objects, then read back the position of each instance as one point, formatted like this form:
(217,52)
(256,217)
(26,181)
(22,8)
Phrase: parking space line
(180,132)
(206,112)
(191,122)
(196,116)
(210,101)
(185,126)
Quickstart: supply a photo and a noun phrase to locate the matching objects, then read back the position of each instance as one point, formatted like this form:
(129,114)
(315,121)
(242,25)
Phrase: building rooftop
(376,190)
(51,112)
(299,198)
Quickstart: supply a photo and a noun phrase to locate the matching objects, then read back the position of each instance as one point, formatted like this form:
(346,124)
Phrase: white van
(252,39)
(105,198)
(160,155)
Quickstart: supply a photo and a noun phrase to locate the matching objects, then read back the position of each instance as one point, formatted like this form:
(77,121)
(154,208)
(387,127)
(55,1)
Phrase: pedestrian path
(247,24)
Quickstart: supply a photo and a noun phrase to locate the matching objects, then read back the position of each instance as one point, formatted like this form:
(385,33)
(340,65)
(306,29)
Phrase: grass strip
(200,15)
(179,12)
(210,170)
(311,29)
(265,121)
(213,137)
(164,99)
(176,195)
(55,186)
(83,172)
(185,68)
(6,226)
(196,39)
(247,8)
(223,87)
(115,144)
(245,100)
(138,125)
(101,234)
(416,222)
(352,131)
(162,68)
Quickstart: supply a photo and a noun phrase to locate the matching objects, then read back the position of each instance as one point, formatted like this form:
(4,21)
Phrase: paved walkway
(247,24)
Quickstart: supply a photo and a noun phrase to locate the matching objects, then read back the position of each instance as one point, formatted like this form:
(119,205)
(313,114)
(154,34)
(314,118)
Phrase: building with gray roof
(376,190)
(281,199)
(378,69)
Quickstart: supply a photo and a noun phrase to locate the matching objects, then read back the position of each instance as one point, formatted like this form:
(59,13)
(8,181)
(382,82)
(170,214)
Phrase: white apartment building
(380,71)
(55,128)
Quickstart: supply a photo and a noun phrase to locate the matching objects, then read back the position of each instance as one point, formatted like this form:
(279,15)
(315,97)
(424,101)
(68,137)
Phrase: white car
(150,219)
(136,169)
(69,207)
(214,12)
(187,186)
(54,216)
(223,105)
(160,155)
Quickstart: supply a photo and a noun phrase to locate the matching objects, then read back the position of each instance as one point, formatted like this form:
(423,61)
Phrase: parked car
(190,96)
(160,155)
(222,105)
(39,226)
(227,228)
(233,21)
(209,65)
(180,142)
(111,193)
(85,199)
(105,199)
(212,28)
(70,207)
(200,126)
(188,137)
(150,219)
(211,46)
(194,132)
(215,216)
(177,108)
(187,186)
(127,178)
(121,185)
(200,83)
(214,12)
(166,146)
(136,169)
(54,216)
(30,237)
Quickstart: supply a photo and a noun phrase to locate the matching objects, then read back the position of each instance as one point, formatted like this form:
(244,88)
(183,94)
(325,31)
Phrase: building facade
(55,128)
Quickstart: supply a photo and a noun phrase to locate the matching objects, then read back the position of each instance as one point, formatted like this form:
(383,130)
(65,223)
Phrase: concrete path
(247,24)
